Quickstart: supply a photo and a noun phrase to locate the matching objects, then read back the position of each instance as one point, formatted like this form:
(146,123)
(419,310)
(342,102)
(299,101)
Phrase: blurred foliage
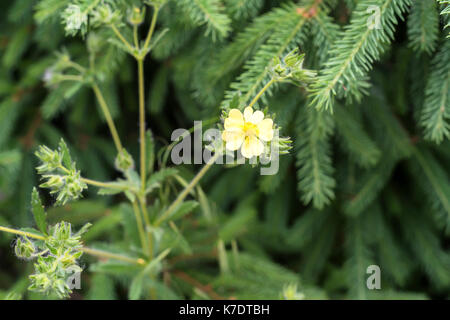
(367,184)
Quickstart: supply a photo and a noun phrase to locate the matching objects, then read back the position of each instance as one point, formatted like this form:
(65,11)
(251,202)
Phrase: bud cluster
(60,173)
(57,258)
(290,68)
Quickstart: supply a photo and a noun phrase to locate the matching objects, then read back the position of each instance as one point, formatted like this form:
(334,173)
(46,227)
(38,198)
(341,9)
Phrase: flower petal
(248,112)
(257,117)
(235,114)
(246,150)
(257,146)
(252,146)
(265,129)
(233,139)
(234,124)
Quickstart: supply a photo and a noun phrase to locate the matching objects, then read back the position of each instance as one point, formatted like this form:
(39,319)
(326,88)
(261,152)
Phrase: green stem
(94,182)
(68,77)
(144,211)
(187,189)
(122,38)
(94,252)
(142,122)
(256,98)
(108,117)
(105,184)
(76,66)
(135,36)
(22,233)
(140,226)
(109,255)
(151,30)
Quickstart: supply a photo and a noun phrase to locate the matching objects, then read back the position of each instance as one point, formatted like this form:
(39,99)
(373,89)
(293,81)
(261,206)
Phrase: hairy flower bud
(51,160)
(124,161)
(24,248)
(291,69)
(136,16)
(104,15)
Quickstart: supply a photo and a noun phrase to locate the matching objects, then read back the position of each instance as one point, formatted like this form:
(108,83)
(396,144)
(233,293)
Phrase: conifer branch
(209,13)
(423,26)
(315,173)
(435,116)
(353,54)
(289,34)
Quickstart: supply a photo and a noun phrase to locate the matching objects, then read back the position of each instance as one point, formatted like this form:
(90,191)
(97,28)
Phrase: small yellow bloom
(247,131)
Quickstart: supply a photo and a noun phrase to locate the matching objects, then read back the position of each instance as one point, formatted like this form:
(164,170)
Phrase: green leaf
(38,211)
(129,224)
(237,224)
(65,154)
(136,288)
(209,13)
(158,177)
(182,209)
(115,268)
(83,229)
(235,101)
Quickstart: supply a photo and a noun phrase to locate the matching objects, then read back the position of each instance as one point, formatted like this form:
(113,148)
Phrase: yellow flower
(247,131)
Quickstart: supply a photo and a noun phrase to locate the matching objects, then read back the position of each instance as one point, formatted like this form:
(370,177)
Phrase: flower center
(250,129)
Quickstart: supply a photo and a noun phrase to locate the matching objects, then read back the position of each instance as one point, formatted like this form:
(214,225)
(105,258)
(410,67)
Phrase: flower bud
(24,248)
(124,161)
(136,16)
(50,159)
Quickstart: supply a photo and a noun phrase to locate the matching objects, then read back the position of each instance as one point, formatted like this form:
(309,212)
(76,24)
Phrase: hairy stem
(152,29)
(140,226)
(256,98)
(122,38)
(108,117)
(93,252)
(69,77)
(22,233)
(109,255)
(135,36)
(143,206)
(142,122)
(105,184)
(76,66)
